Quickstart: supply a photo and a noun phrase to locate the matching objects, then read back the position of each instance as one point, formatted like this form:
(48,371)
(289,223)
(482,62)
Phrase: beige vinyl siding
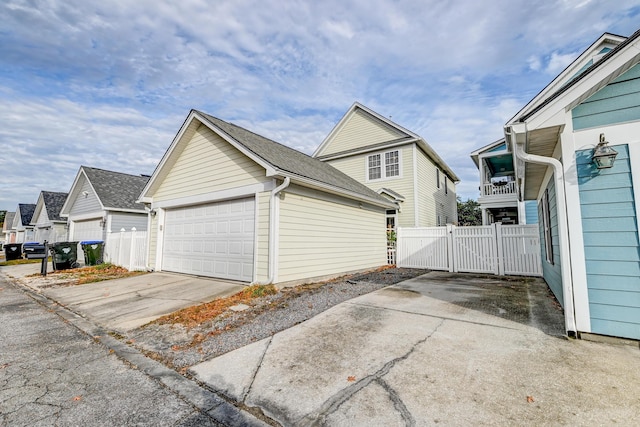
(434,201)
(321,237)
(207,164)
(153,242)
(262,234)
(89,204)
(361,130)
(356,167)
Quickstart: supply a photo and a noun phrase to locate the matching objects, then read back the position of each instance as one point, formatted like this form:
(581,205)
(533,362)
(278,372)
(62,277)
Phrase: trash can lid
(30,243)
(91,242)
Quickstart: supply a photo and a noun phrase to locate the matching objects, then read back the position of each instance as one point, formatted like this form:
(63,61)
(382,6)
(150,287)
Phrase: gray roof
(289,160)
(53,203)
(117,190)
(8,220)
(26,212)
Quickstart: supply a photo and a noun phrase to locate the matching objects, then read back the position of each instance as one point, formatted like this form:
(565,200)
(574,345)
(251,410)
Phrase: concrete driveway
(438,349)
(125,304)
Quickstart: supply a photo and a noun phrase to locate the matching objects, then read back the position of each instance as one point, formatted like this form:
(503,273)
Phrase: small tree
(469,212)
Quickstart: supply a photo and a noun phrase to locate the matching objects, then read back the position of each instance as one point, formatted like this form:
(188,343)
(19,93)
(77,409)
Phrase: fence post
(132,252)
(120,246)
(450,248)
(499,268)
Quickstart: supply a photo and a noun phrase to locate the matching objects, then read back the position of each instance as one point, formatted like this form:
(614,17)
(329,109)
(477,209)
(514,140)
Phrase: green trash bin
(93,250)
(64,255)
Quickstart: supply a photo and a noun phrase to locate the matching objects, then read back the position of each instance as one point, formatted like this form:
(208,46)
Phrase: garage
(87,230)
(214,240)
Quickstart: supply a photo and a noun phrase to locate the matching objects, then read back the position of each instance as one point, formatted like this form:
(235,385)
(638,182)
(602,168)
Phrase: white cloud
(121,75)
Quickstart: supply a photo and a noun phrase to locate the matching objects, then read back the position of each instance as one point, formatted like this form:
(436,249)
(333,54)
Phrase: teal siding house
(587,212)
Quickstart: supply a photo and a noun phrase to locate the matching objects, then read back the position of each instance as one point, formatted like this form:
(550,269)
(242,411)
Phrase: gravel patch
(181,348)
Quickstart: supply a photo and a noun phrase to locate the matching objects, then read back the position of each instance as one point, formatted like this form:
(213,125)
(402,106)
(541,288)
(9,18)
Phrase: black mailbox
(34,250)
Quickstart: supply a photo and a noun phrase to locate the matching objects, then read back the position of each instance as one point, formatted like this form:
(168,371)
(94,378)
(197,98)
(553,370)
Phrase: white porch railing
(496,249)
(489,189)
(127,249)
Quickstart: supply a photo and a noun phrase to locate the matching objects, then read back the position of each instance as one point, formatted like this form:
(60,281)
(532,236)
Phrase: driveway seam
(255,373)
(431,316)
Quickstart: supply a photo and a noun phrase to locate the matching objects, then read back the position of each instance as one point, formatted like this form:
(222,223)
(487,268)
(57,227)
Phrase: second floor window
(384,165)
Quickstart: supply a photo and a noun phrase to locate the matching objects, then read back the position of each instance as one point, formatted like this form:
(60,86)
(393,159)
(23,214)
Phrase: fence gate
(496,249)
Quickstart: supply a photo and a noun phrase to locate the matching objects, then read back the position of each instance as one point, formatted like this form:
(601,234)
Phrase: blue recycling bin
(93,251)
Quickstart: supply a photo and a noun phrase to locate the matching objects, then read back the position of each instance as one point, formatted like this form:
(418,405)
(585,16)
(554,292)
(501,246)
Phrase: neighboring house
(46,219)
(22,223)
(231,204)
(397,164)
(102,201)
(588,216)
(9,233)
(499,198)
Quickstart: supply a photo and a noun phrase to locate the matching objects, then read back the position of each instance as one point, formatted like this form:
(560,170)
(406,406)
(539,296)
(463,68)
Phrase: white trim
(88,216)
(160,213)
(634,153)
(383,165)
(416,210)
(216,196)
(368,149)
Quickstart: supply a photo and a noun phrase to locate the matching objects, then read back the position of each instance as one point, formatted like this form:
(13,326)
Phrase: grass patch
(21,261)
(195,315)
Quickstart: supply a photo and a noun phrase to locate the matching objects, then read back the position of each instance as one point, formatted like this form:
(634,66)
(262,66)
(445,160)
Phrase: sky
(108,83)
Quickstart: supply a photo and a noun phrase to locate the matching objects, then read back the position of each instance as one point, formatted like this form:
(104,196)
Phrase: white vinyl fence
(496,249)
(127,249)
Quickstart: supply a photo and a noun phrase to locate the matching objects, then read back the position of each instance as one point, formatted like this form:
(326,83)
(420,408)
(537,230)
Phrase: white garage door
(214,240)
(86,230)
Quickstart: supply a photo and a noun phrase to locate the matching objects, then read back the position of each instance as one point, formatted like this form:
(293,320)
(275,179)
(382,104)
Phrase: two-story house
(499,195)
(397,164)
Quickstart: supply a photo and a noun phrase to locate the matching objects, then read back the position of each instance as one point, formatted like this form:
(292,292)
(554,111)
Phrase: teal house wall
(551,271)
(611,245)
(618,102)
(531,211)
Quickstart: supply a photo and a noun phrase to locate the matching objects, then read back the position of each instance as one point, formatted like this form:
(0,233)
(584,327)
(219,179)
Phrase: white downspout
(563,226)
(272,232)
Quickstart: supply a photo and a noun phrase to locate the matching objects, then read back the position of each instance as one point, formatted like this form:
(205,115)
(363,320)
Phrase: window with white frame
(438,178)
(385,165)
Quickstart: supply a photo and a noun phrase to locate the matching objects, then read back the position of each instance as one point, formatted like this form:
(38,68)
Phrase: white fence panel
(127,249)
(496,249)
(423,247)
(521,250)
(474,249)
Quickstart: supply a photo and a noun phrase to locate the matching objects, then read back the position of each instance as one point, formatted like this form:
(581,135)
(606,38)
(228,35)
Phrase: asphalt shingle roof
(53,203)
(116,190)
(289,160)
(26,212)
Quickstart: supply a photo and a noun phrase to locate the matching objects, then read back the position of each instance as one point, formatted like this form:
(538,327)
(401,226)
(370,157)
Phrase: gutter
(273,232)
(563,226)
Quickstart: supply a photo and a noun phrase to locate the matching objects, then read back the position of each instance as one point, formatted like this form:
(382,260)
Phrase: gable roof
(26,213)
(116,191)
(404,136)
(52,202)
(544,98)
(277,159)
(8,221)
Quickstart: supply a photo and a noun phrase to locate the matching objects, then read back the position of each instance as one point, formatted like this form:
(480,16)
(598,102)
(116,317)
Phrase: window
(374,167)
(446,189)
(546,224)
(383,166)
(438,177)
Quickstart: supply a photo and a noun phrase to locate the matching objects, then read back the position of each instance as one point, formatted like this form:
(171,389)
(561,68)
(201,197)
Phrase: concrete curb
(205,400)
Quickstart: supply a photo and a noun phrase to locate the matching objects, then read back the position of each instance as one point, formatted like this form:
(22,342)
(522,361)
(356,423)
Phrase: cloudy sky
(108,83)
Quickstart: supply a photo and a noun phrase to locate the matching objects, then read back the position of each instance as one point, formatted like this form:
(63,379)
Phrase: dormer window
(383,165)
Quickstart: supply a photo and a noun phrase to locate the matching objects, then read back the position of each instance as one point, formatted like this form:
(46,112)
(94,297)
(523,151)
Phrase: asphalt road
(51,374)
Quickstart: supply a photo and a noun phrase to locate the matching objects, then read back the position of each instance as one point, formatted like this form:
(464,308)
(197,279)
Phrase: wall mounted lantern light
(603,155)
